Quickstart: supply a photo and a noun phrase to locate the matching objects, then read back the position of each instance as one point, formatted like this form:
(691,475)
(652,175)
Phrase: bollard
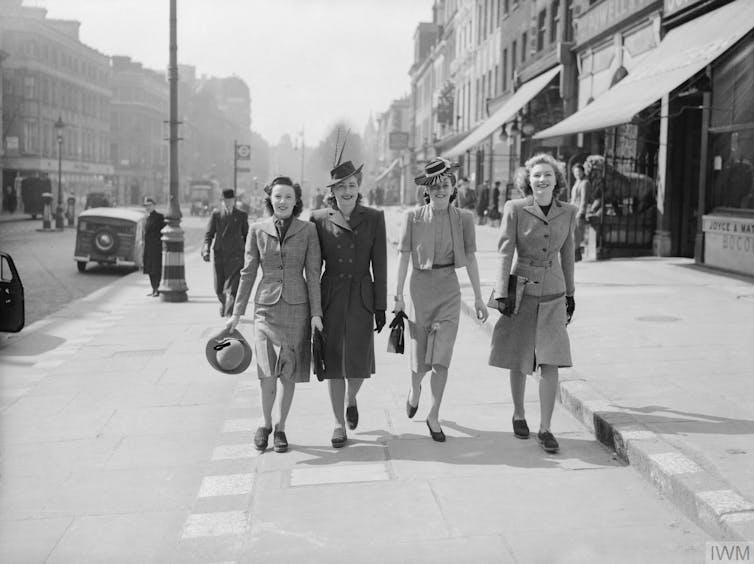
(71,210)
(47,212)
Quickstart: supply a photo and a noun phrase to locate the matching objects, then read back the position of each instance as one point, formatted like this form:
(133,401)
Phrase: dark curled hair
(283,181)
(521,180)
(330,200)
(453,196)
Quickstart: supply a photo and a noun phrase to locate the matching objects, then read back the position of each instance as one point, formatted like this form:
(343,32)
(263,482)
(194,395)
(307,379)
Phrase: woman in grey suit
(287,305)
(538,231)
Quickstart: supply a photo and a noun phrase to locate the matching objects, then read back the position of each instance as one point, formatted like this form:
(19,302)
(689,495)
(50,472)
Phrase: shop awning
(682,53)
(504,113)
(385,172)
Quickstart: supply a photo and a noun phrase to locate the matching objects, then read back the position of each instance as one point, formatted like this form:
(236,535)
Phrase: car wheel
(81,265)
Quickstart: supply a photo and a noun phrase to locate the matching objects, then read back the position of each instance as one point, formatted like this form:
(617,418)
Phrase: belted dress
(438,241)
(539,248)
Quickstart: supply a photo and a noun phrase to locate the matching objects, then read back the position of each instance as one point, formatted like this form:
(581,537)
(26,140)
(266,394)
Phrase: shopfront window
(732,130)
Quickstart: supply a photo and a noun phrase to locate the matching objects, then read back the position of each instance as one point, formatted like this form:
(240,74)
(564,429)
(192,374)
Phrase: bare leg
(337,389)
(438,380)
(548,390)
(285,402)
(518,388)
(416,384)
(354,385)
(268,388)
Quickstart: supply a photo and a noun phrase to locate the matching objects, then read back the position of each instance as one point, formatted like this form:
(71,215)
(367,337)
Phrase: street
(138,438)
(48,271)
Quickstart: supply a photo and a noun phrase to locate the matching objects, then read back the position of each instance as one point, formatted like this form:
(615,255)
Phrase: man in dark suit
(152,257)
(227,227)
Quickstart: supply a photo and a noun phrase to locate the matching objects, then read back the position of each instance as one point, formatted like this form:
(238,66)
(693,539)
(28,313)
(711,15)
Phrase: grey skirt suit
(285,300)
(541,249)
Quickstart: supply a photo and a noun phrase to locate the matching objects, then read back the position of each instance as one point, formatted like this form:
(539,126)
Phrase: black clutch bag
(515,295)
(318,354)
(395,343)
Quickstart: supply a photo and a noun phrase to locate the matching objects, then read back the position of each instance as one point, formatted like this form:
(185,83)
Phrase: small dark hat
(343,171)
(228,352)
(149,200)
(229,193)
(434,171)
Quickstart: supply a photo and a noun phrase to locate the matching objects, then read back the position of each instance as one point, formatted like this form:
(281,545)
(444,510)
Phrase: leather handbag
(318,354)
(396,343)
(516,286)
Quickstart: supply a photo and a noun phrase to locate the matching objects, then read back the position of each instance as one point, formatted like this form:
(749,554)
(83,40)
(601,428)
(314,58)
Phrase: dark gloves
(503,307)
(205,257)
(570,308)
(379,319)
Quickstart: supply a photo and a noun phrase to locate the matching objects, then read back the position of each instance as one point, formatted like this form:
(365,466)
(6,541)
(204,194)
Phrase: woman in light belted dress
(538,230)
(287,306)
(436,239)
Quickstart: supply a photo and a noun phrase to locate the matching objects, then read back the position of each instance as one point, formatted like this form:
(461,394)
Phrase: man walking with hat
(226,234)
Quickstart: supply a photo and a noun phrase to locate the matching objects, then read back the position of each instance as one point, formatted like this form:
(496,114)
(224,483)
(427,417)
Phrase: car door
(12,313)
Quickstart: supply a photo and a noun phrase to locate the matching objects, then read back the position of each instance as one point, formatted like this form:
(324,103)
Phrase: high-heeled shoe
(438,436)
(411,409)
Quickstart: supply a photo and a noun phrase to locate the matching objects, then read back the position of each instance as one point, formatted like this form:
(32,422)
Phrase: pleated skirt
(536,335)
(434,316)
(282,341)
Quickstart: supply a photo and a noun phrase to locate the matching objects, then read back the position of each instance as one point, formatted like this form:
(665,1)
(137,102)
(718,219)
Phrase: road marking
(229,484)
(675,463)
(228,452)
(215,524)
(233,425)
(339,474)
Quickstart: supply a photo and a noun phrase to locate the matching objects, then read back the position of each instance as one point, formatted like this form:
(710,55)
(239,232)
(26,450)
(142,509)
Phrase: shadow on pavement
(652,416)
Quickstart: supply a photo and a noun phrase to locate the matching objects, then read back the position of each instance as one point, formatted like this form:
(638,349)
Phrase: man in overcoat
(226,235)
(152,256)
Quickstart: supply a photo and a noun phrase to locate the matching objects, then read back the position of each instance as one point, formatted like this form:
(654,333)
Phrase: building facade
(139,108)
(393,154)
(49,74)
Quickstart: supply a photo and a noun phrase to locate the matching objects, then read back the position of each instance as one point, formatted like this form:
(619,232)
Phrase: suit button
(280,267)
(544,250)
(350,260)
(546,235)
(342,275)
(337,246)
(352,246)
(356,232)
(340,260)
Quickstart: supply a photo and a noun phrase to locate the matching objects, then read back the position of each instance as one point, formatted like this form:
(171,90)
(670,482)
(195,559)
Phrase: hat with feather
(435,170)
(341,171)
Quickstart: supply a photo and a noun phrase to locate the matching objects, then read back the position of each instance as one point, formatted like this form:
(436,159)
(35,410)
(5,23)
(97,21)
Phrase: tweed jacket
(536,247)
(229,233)
(283,266)
(418,236)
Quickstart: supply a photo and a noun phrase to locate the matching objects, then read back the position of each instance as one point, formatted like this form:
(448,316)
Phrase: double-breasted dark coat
(152,257)
(354,286)
(226,234)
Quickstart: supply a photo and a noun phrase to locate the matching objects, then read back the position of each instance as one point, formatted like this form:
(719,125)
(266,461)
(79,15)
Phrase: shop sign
(673,6)
(729,243)
(605,15)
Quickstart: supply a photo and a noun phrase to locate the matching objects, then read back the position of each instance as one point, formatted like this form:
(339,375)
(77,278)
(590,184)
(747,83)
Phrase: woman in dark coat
(538,231)
(354,250)
(152,258)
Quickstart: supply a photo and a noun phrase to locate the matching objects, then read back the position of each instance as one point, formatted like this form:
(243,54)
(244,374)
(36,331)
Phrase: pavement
(118,442)
(663,360)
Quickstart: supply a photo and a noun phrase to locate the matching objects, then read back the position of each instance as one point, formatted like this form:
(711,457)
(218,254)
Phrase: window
(30,90)
(541,30)
(505,69)
(524,40)
(568,31)
(31,136)
(506,7)
(497,80)
(554,21)
(514,60)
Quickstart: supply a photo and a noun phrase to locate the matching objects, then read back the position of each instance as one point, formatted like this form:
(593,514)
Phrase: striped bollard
(173,286)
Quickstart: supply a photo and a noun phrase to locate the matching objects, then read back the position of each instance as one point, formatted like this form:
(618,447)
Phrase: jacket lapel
(556,210)
(357,216)
(337,218)
(534,209)
(296,226)
(268,226)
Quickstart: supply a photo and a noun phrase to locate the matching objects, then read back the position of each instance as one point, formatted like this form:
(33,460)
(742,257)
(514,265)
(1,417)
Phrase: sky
(308,63)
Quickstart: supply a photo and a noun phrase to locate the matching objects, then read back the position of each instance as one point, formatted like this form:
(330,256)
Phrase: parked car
(113,236)
(97,200)
(31,195)
(12,313)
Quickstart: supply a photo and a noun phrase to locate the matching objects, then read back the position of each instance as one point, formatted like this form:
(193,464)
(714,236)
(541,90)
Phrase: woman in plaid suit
(287,304)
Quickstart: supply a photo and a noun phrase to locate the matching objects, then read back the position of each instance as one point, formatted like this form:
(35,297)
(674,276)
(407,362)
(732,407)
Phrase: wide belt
(535,262)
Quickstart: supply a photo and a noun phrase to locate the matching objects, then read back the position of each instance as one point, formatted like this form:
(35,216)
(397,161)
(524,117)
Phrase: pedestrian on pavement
(537,230)
(579,197)
(226,234)
(151,262)
(352,239)
(494,210)
(483,202)
(287,305)
(437,238)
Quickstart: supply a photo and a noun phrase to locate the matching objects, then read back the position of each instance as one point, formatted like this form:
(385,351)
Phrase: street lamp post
(59,125)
